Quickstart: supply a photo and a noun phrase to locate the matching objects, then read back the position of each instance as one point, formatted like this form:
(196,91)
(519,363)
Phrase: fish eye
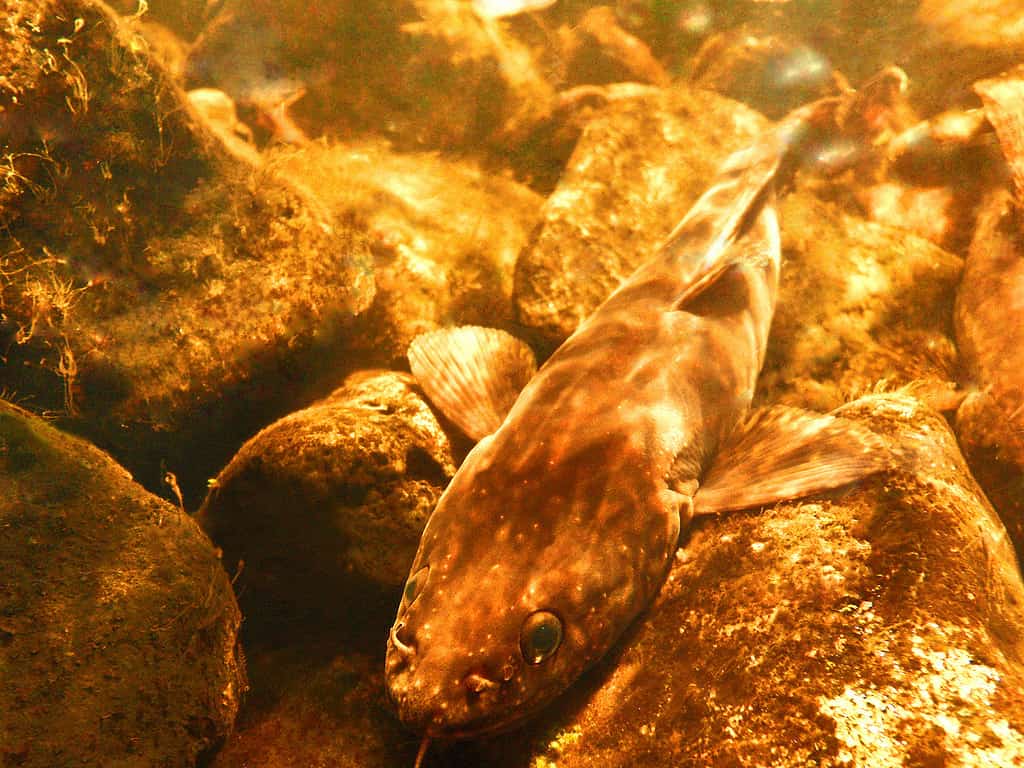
(540,636)
(414,585)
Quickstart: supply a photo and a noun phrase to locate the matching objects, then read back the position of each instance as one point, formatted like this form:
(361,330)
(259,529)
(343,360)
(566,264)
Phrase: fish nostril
(477,683)
(406,647)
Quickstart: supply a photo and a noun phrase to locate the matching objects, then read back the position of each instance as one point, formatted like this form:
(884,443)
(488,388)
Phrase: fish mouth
(475,730)
(481,704)
(439,723)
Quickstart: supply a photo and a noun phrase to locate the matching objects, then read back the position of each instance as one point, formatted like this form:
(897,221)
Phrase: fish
(988,319)
(561,524)
(988,322)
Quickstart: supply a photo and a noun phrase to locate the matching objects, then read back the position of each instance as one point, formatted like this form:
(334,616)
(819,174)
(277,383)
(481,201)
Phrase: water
(172,282)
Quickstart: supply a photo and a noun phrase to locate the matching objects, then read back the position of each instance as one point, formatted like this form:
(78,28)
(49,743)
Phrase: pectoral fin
(784,453)
(472,375)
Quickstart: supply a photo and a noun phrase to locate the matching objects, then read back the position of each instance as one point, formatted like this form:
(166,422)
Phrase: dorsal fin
(781,453)
(759,246)
(701,242)
(471,374)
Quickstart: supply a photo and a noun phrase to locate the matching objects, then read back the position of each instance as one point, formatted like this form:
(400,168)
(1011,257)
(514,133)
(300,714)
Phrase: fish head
(520,583)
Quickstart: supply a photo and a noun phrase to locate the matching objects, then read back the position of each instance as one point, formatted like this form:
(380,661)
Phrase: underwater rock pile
(147,272)
(219,288)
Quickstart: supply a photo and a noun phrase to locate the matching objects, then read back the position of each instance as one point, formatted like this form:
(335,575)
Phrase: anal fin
(782,453)
(471,374)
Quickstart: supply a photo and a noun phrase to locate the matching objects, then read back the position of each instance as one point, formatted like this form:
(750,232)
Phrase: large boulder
(444,234)
(331,498)
(118,625)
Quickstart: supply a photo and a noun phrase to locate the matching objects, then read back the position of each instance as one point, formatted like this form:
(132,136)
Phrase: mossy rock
(157,291)
(118,626)
(330,501)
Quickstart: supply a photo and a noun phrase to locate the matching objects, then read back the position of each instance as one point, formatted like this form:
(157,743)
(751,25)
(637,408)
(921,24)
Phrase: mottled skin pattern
(990,322)
(576,503)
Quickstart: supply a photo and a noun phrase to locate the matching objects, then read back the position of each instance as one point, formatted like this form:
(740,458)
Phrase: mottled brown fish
(989,324)
(561,524)
(989,317)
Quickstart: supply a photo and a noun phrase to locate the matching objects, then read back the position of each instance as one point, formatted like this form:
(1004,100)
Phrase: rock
(990,334)
(155,289)
(444,235)
(638,166)
(160,43)
(319,700)
(883,626)
(772,73)
(184,17)
(861,307)
(597,49)
(331,495)
(943,47)
(934,212)
(1001,97)
(424,73)
(932,176)
(989,25)
(117,622)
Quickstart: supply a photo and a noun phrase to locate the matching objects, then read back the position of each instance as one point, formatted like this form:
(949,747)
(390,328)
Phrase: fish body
(989,325)
(562,522)
(989,315)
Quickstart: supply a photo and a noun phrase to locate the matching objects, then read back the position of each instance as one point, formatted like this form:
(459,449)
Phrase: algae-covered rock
(427,73)
(882,626)
(338,490)
(861,306)
(148,274)
(444,235)
(637,167)
(117,622)
(320,701)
